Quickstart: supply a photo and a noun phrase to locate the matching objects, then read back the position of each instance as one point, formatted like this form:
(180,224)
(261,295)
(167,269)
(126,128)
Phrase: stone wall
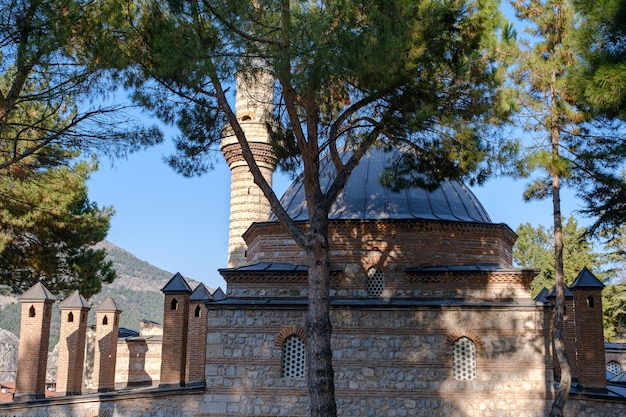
(388,361)
(138,361)
(183,402)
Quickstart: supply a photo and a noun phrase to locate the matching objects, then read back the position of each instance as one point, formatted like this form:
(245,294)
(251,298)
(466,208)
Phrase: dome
(365,198)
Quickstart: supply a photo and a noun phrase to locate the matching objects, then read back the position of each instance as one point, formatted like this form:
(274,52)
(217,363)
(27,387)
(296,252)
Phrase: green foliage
(614,309)
(601,81)
(425,74)
(47,229)
(535,249)
(52,90)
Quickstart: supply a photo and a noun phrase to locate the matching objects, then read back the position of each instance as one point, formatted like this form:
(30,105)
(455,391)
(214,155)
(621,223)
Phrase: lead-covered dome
(364,197)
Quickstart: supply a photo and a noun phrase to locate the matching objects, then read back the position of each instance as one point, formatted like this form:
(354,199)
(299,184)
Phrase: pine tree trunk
(321,377)
(562,392)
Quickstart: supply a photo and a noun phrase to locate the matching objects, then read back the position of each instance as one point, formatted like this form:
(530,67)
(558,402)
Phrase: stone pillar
(105,354)
(32,359)
(196,336)
(587,290)
(175,325)
(72,338)
(254,103)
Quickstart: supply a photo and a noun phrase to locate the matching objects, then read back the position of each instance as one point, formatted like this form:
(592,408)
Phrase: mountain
(136,290)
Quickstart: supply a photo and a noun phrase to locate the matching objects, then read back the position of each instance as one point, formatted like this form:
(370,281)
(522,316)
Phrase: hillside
(136,290)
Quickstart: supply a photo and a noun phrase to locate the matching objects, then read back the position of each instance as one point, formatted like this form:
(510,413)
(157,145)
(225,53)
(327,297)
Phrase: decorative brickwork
(405,242)
(289,331)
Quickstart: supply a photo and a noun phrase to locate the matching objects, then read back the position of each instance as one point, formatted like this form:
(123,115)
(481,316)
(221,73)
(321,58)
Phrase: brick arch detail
(456,334)
(290,331)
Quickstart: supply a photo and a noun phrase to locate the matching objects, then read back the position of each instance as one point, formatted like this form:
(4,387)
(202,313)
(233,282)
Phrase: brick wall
(196,343)
(33,349)
(71,358)
(411,242)
(173,355)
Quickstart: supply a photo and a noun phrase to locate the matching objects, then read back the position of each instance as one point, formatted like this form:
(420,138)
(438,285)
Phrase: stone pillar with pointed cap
(72,338)
(105,353)
(196,336)
(587,290)
(253,107)
(32,359)
(175,325)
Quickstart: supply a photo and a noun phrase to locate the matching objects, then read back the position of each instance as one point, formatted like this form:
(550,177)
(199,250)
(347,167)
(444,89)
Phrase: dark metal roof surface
(108,305)
(364,197)
(176,285)
(37,292)
(75,300)
(218,294)
(267,267)
(586,279)
(201,293)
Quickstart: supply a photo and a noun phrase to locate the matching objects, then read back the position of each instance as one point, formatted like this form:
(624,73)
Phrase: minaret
(253,106)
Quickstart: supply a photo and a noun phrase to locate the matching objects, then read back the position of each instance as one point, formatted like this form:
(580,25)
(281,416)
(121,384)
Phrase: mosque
(430,317)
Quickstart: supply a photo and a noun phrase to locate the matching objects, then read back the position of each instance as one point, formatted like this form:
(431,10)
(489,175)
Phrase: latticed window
(464,359)
(375,282)
(614,366)
(294,357)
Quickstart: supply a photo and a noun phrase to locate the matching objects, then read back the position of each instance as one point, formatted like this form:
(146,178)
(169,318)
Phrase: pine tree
(419,74)
(52,90)
(542,71)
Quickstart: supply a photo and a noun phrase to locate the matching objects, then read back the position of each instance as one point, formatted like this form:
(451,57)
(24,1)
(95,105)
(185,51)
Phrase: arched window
(70,317)
(614,367)
(174,304)
(590,302)
(294,357)
(105,321)
(197,312)
(375,282)
(464,359)
(31,311)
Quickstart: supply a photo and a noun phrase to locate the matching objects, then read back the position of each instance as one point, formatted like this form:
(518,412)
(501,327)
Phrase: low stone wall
(180,402)
(590,406)
(138,361)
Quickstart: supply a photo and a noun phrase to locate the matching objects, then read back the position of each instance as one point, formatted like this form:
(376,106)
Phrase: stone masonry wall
(387,362)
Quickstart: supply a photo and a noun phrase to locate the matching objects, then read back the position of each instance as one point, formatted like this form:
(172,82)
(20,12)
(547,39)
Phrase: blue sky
(181,224)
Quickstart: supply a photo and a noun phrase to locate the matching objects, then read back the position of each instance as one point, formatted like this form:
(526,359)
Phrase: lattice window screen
(375,282)
(294,357)
(614,366)
(464,359)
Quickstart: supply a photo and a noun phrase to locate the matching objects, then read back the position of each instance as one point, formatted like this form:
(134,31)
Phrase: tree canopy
(422,75)
(534,248)
(53,92)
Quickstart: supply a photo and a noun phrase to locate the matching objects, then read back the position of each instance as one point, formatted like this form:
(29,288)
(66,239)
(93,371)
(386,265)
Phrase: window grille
(375,282)
(464,359)
(294,357)
(614,367)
